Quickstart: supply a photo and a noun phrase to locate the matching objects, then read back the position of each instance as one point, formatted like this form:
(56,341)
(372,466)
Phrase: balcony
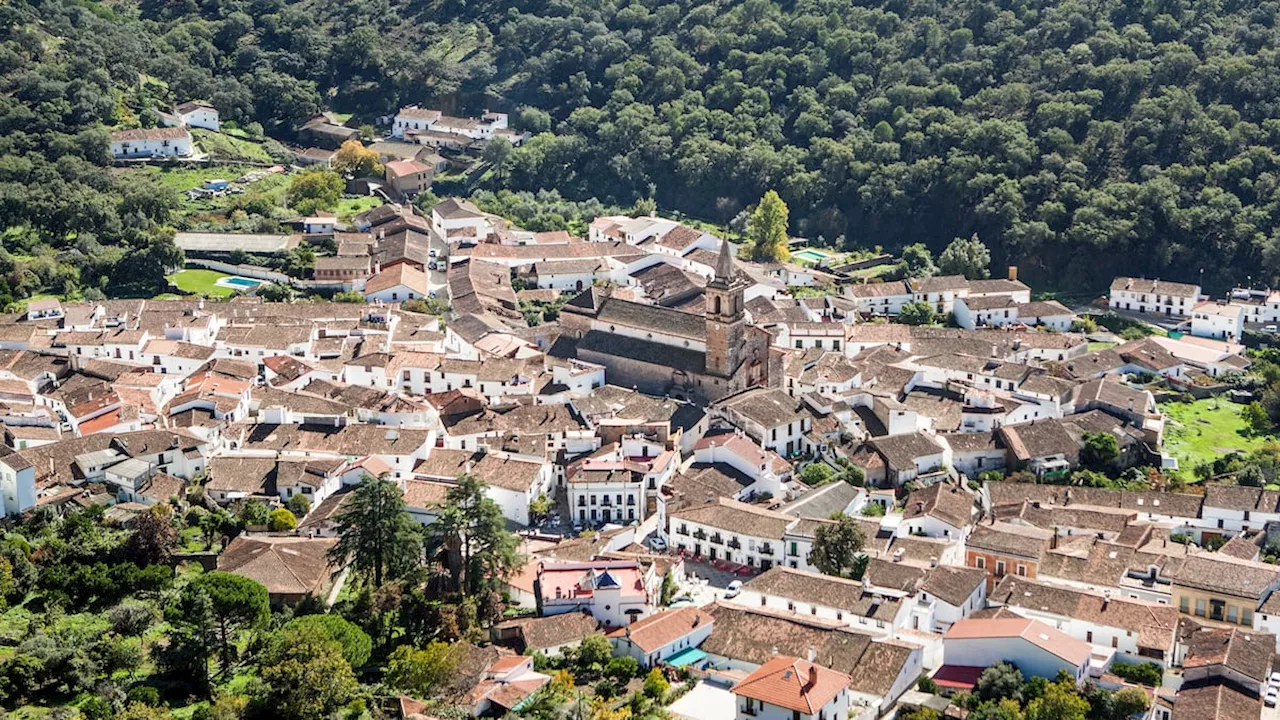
(700,534)
(766,549)
(717,539)
(735,544)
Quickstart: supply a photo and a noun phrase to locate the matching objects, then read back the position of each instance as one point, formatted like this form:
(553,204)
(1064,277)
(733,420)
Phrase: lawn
(200,282)
(221,146)
(349,207)
(1096,346)
(182,179)
(1206,429)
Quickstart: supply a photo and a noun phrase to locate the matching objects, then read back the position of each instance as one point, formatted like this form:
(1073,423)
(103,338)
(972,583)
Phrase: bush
(655,685)
(144,694)
(355,643)
(622,669)
(1148,674)
(281,520)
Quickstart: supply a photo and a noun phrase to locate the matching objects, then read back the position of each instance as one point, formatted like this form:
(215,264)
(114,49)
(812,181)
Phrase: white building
(319,225)
(615,592)
(788,688)
(1138,631)
(1033,647)
(1220,321)
(656,638)
(1157,297)
(194,114)
(151,142)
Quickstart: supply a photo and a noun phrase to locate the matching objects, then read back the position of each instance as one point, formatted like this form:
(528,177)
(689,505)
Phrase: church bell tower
(726,318)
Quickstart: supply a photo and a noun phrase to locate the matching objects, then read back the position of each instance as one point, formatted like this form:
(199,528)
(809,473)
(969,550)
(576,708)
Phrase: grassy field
(182,179)
(200,282)
(349,207)
(1206,429)
(221,146)
(1096,346)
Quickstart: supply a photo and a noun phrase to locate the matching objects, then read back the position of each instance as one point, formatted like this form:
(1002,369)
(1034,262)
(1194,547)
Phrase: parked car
(433,253)
(1270,699)
(1275,680)
(734,588)
(657,543)
(1269,328)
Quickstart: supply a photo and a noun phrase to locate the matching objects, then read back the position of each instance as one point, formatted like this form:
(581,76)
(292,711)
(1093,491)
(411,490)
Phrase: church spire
(724,264)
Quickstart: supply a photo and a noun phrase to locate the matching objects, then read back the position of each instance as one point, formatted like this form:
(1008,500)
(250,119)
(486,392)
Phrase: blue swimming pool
(240,282)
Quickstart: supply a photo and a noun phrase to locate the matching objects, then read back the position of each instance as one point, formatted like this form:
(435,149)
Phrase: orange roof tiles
(794,684)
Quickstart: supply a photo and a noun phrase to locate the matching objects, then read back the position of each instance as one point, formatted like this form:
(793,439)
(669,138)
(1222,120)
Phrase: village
(797,489)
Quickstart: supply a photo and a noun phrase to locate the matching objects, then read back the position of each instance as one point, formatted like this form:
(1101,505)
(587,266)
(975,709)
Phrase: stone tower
(726,319)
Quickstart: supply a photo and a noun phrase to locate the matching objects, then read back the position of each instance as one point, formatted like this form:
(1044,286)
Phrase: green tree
(306,676)
(236,603)
(594,651)
(816,473)
(1060,702)
(969,258)
(622,669)
(837,548)
(299,505)
(767,229)
(420,671)
(917,261)
(916,313)
(191,642)
(999,681)
(375,533)
(1251,476)
(848,472)
(471,534)
(656,685)
(132,617)
(1255,415)
(497,152)
(539,508)
(254,513)
(314,190)
(355,643)
(921,713)
(1100,450)
(281,520)
(1129,702)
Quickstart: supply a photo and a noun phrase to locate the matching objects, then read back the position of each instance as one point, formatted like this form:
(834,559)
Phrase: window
(980,563)
(1183,605)
(1200,608)
(999,568)
(1246,617)
(1022,570)
(1088,636)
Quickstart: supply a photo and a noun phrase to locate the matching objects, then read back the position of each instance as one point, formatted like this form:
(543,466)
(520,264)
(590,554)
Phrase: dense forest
(1077,139)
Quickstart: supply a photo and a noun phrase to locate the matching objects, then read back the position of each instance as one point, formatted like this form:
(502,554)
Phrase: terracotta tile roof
(285,565)
(794,684)
(1033,631)
(401,274)
(663,628)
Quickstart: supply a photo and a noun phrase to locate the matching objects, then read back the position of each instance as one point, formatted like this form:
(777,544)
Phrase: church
(662,351)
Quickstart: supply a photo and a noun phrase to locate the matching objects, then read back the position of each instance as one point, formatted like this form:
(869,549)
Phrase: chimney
(1013,272)
(813,673)
(812,654)
(1053,541)
(933,561)
(1106,600)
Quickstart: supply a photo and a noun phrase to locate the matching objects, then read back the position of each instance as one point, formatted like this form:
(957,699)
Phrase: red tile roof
(794,684)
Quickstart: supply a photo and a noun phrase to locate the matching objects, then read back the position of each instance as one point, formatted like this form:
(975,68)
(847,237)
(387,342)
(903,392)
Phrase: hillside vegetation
(1077,139)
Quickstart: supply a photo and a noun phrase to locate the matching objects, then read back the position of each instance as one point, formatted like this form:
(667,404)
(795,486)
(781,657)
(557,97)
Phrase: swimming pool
(810,255)
(239,283)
